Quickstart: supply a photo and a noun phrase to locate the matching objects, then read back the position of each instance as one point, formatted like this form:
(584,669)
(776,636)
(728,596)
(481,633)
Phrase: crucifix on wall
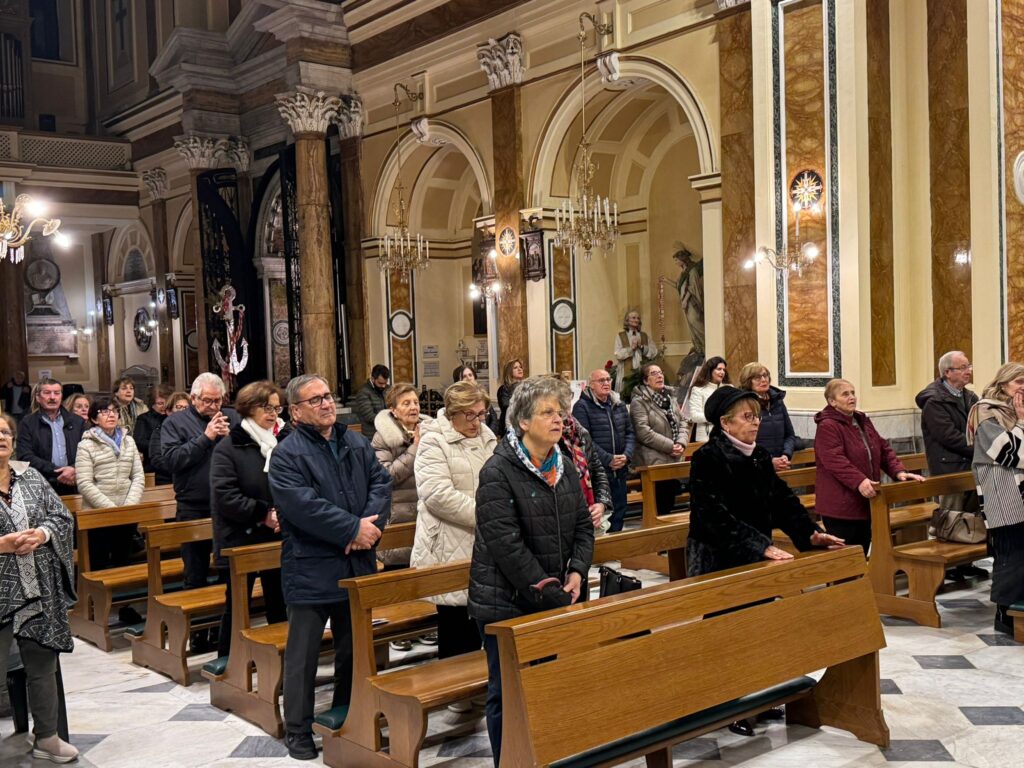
(121,42)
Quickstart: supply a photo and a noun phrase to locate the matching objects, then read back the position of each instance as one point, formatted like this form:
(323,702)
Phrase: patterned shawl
(571,439)
(663,400)
(552,464)
(37,589)
(990,409)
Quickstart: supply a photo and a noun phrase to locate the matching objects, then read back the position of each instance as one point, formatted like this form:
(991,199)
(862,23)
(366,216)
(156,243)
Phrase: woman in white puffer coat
(453,449)
(109,470)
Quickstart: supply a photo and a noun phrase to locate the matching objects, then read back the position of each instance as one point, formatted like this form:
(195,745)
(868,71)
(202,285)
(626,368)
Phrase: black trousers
(456,632)
(853,532)
(301,653)
(665,493)
(111,547)
(273,600)
(196,554)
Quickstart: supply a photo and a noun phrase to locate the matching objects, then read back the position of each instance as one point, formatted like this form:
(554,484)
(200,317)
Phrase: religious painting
(532,249)
(141,331)
(120,43)
(108,310)
(49,328)
(172,303)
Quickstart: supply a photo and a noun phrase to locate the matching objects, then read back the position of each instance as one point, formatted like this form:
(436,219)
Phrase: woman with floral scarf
(578,447)
(661,432)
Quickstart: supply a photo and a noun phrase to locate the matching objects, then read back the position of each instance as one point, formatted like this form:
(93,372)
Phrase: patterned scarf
(572,441)
(27,575)
(550,470)
(990,409)
(663,401)
(128,415)
(114,443)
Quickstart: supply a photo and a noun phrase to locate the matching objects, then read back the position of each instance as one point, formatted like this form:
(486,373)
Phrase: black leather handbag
(613,582)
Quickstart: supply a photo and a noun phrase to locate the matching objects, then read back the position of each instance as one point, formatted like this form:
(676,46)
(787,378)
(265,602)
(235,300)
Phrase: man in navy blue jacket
(607,420)
(333,499)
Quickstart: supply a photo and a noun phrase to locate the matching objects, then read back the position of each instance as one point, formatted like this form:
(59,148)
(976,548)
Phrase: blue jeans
(493,707)
(617,481)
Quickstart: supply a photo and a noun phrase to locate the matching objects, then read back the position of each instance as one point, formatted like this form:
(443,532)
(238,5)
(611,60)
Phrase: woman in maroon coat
(850,455)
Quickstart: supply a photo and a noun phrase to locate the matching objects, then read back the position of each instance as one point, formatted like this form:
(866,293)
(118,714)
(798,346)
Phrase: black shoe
(300,746)
(200,642)
(1003,623)
(775,713)
(742,728)
(128,615)
(975,571)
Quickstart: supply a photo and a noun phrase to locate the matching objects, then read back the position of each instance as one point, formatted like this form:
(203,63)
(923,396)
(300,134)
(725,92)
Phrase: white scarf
(266,439)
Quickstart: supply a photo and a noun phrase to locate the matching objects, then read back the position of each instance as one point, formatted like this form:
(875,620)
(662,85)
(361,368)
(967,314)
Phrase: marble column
(99,276)
(200,153)
(350,128)
(1013,151)
(709,187)
(308,113)
(155,181)
(502,62)
(13,338)
(739,286)
(949,150)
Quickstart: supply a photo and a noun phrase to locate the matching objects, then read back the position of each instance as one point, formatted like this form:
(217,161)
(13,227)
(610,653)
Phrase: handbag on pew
(957,526)
(614,583)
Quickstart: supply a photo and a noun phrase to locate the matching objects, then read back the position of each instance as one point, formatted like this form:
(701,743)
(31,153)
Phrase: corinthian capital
(200,152)
(235,151)
(350,117)
(502,60)
(156,182)
(308,111)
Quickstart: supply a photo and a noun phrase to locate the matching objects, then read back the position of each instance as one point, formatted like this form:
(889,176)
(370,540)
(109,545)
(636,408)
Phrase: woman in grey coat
(995,427)
(661,432)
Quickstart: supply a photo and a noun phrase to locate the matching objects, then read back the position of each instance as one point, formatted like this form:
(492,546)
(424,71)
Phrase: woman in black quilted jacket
(534,536)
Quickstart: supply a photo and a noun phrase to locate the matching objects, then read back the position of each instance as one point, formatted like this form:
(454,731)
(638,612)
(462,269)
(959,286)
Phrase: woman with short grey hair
(534,535)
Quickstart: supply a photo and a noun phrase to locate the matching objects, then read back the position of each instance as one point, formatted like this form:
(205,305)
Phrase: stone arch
(635,69)
(130,257)
(179,257)
(389,171)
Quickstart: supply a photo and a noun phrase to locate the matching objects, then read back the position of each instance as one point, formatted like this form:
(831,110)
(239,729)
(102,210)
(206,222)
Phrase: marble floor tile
(994,716)
(944,662)
(260,746)
(998,638)
(200,712)
(699,749)
(988,747)
(917,750)
(889,686)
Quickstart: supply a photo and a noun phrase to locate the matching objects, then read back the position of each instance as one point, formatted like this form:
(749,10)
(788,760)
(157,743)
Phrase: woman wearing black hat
(736,498)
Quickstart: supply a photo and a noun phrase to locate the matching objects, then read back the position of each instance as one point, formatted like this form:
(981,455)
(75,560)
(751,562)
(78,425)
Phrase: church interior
(830,190)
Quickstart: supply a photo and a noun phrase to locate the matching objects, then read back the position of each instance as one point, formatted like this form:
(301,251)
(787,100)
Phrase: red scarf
(571,438)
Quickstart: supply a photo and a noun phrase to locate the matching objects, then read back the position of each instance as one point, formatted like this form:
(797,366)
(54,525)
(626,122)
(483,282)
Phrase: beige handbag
(958,527)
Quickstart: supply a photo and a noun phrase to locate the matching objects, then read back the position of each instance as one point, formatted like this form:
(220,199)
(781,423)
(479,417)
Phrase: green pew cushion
(217,666)
(1017,607)
(135,630)
(333,718)
(662,733)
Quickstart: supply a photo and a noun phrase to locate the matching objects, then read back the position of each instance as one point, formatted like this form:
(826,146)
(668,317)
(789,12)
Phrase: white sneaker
(460,707)
(54,749)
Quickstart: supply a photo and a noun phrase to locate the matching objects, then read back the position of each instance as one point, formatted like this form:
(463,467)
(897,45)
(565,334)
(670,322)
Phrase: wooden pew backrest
(91,519)
(164,536)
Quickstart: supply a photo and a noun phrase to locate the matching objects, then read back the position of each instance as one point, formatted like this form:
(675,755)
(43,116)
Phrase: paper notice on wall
(431,370)
(481,348)
(430,351)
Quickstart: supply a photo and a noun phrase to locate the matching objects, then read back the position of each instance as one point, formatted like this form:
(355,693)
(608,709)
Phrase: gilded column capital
(350,117)
(502,60)
(308,111)
(200,152)
(235,152)
(155,180)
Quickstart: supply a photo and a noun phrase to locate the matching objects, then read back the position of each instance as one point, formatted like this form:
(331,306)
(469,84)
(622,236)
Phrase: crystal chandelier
(588,221)
(402,253)
(14,234)
(805,194)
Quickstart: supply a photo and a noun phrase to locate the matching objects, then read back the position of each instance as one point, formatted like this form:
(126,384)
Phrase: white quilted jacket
(105,479)
(448,468)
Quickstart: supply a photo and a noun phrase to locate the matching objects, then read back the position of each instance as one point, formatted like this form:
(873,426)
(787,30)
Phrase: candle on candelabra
(558,225)
(615,215)
(607,215)
(572,214)
(584,206)
(428,250)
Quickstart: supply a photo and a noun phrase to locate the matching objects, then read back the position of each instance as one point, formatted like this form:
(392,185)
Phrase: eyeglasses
(210,400)
(749,416)
(548,415)
(968,367)
(6,433)
(605,380)
(316,401)
(109,412)
(268,408)
(472,416)
(761,377)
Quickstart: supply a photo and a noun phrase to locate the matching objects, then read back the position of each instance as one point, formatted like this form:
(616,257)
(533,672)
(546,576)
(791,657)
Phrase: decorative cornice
(350,117)
(308,19)
(200,152)
(308,111)
(155,180)
(420,128)
(502,60)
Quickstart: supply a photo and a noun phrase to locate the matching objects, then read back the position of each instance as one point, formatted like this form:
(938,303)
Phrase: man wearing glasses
(944,406)
(187,440)
(333,499)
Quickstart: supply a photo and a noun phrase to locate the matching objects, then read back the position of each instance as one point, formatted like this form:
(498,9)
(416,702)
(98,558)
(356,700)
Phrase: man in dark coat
(333,499)
(17,396)
(48,439)
(369,400)
(607,420)
(187,440)
(944,406)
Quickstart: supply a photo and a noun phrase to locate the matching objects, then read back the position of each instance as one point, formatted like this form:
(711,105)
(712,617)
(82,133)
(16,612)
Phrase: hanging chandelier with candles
(806,195)
(587,221)
(14,233)
(401,252)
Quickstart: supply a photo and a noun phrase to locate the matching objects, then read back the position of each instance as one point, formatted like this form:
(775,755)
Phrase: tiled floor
(952,696)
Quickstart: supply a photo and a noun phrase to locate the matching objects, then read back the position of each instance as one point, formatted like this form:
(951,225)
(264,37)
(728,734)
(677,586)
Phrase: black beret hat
(721,400)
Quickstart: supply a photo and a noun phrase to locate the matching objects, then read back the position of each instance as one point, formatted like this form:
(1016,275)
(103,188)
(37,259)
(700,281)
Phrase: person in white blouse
(713,374)
(633,348)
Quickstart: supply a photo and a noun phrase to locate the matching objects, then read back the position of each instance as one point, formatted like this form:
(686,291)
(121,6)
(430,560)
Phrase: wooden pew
(171,618)
(686,675)
(923,562)
(1016,613)
(151,479)
(75,502)
(249,682)
(405,697)
(99,590)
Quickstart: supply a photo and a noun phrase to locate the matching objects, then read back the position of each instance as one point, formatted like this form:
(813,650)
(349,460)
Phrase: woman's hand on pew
(868,488)
(12,542)
(826,540)
(774,553)
(572,586)
(903,476)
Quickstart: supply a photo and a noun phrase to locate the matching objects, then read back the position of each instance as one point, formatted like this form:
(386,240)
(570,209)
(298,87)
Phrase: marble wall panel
(883,321)
(737,161)
(950,163)
(803,58)
(1013,138)
(563,287)
(403,367)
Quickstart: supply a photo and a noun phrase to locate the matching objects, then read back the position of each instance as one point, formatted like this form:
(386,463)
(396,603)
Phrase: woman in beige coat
(661,432)
(109,471)
(453,449)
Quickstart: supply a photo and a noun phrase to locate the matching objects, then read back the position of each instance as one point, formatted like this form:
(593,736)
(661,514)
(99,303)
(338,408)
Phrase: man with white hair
(187,439)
